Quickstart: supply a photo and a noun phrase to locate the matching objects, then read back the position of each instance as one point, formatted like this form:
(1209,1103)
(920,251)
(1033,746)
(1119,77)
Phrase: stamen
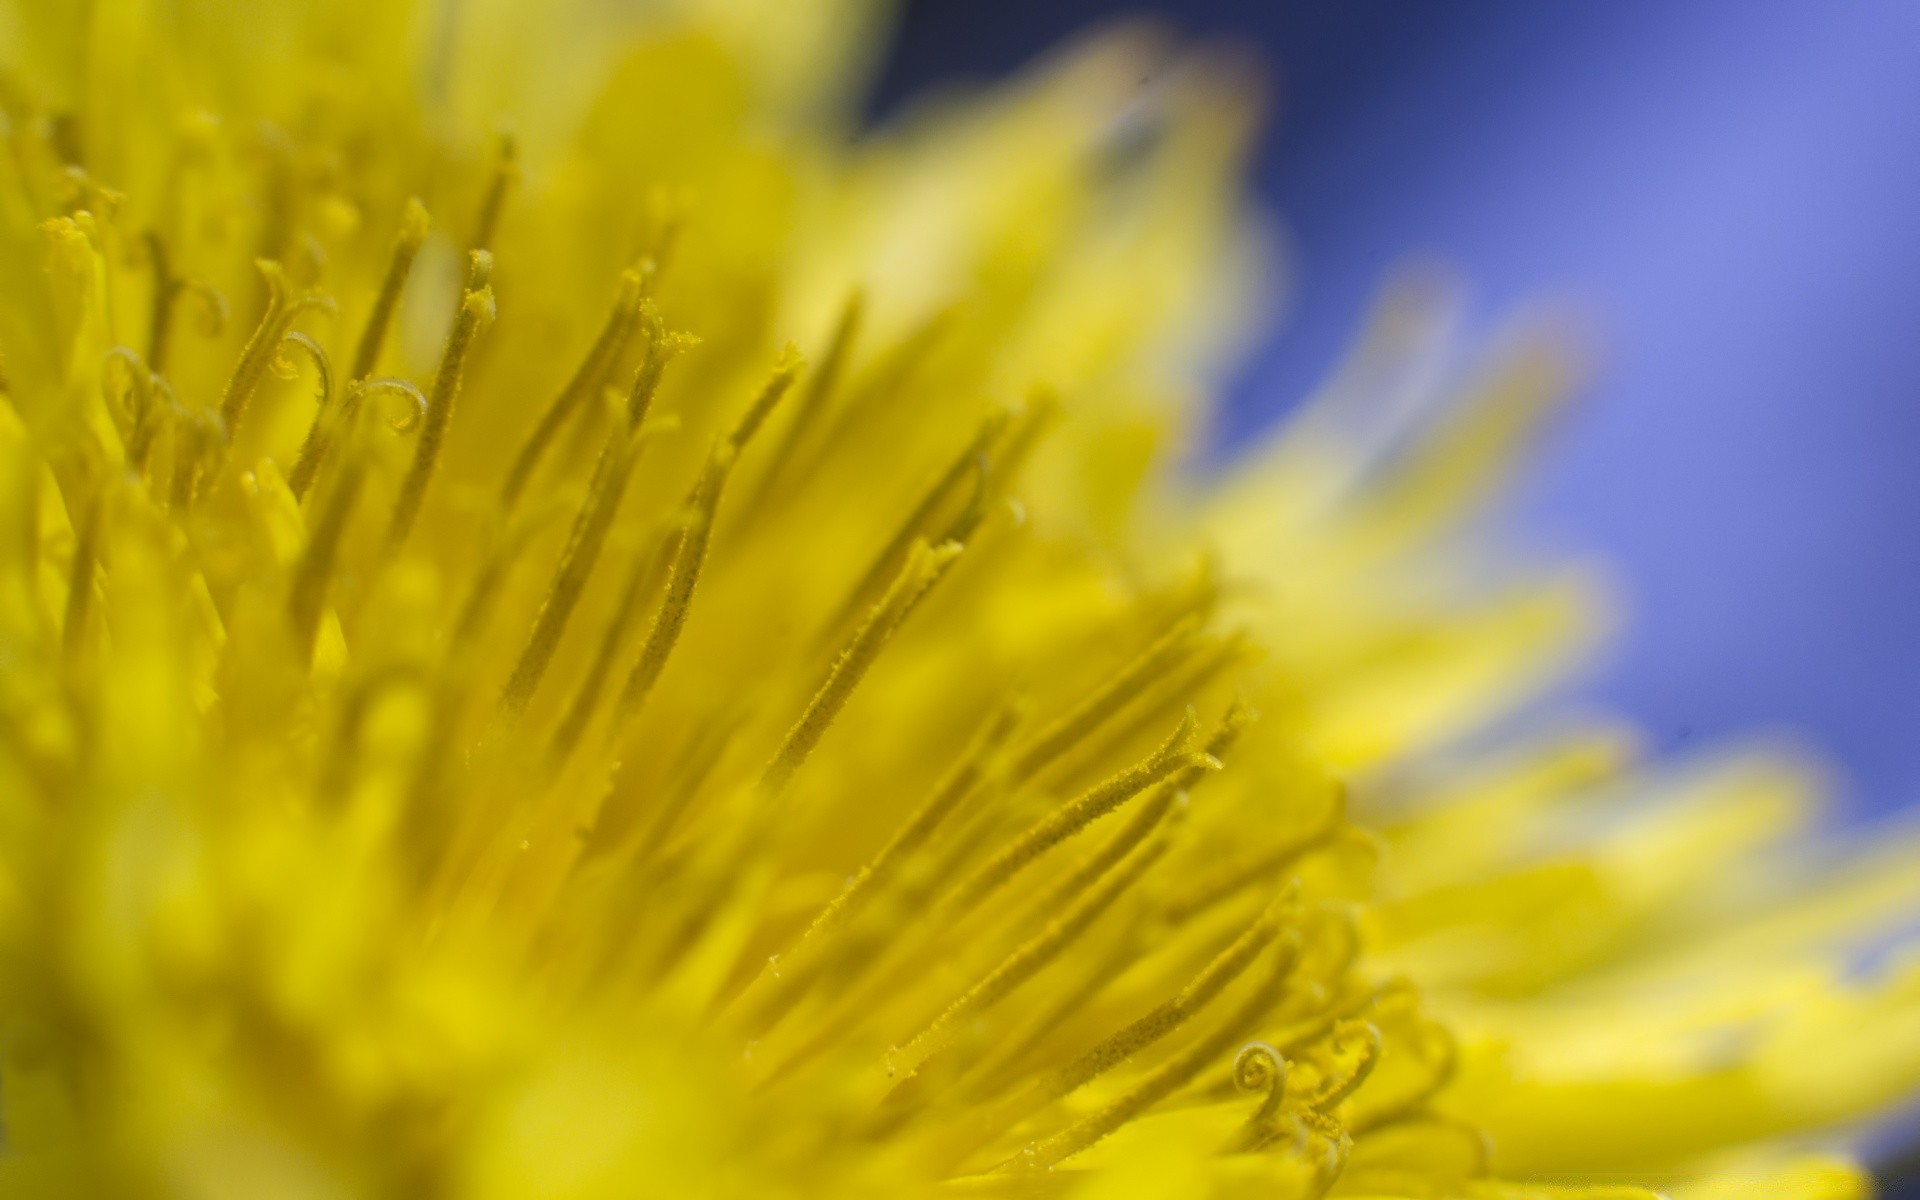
(1033,422)
(314,448)
(648,570)
(812,401)
(282,309)
(1030,957)
(776,990)
(690,552)
(590,526)
(662,347)
(1159,1084)
(642,582)
(584,542)
(1200,991)
(606,349)
(883,380)
(786,369)
(315,354)
(1077,814)
(971,462)
(165,288)
(1335,1144)
(1338,1084)
(80,576)
(414,224)
(198,437)
(1152,811)
(135,409)
(1084,717)
(1205,659)
(476,312)
(1259,1068)
(307,595)
(946,796)
(1436,1052)
(483,591)
(506,171)
(923,568)
(1261,865)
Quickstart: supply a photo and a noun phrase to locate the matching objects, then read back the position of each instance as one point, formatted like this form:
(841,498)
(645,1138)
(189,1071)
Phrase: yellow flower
(482,718)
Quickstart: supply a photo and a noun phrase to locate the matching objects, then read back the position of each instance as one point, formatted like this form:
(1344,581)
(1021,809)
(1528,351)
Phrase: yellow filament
(1204,659)
(1338,1086)
(1200,991)
(135,411)
(1261,865)
(414,224)
(1070,818)
(946,796)
(315,353)
(971,461)
(314,448)
(80,577)
(590,527)
(1438,1052)
(606,349)
(476,311)
(1152,811)
(642,580)
(165,290)
(812,399)
(584,543)
(282,309)
(483,590)
(506,170)
(1083,718)
(923,568)
(1159,1084)
(1259,1068)
(881,381)
(775,989)
(689,555)
(1032,955)
(786,369)
(690,550)
(307,596)
(1034,421)
(1335,1142)
(197,438)
(662,348)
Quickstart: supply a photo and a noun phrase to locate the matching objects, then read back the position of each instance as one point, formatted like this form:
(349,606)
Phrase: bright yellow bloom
(482,718)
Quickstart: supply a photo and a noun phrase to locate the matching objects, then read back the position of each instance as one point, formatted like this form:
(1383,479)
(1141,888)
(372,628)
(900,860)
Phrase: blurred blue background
(1732,188)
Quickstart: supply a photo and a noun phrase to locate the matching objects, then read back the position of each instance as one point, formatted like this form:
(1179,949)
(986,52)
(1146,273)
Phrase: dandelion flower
(572,629)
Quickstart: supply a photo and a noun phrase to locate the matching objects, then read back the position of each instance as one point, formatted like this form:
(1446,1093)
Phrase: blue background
(1732,188)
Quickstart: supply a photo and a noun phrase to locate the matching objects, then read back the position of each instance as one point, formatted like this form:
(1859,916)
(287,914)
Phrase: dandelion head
(573,628)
